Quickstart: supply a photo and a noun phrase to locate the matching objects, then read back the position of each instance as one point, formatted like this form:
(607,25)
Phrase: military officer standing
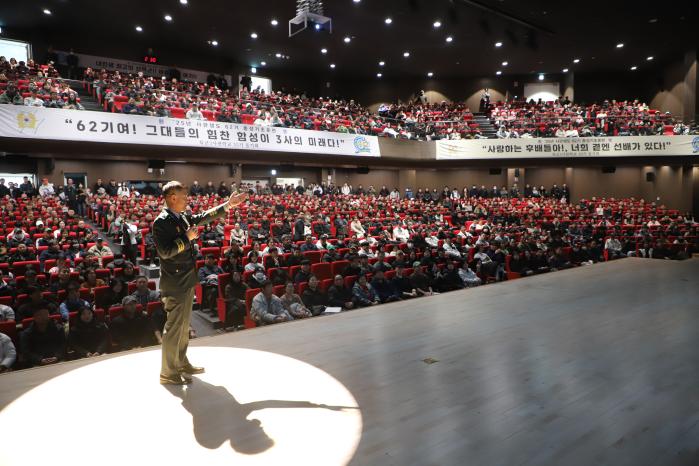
(173,232)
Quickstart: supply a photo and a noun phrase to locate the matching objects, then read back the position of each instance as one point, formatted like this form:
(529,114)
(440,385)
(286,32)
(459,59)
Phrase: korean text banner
(623,146)
(76,125)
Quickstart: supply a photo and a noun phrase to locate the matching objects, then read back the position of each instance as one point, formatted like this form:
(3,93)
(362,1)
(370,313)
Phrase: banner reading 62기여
(74,125)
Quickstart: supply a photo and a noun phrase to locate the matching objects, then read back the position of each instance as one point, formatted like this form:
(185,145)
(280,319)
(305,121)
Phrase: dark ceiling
(537,35)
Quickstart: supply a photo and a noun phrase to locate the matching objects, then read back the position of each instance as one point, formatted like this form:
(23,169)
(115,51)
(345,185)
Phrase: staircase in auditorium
(487,128)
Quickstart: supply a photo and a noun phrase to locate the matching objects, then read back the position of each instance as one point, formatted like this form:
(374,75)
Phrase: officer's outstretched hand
(236,199)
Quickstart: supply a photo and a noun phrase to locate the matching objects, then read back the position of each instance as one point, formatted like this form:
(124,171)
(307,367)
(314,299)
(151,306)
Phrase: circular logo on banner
(361,145)
(695,144)
(249,408)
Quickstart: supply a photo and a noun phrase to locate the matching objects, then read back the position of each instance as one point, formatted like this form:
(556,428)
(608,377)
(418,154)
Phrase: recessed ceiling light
(263,63)
(47,11)
(278,55)
(498,72)
(382,63)
(356,1)
(634,68)
(332,65)
(388,20)
(406,54)
(504,63)
(139,29)
(317,27)
(184,2)
(650,58)
(565,70)
(323,51)
(449,39)
(577,60)
(253,35)
(498,44)
(653,20)
(619,45)
(168,18)
(274,22)
(378,75)
(347,40)
(430,74)
(214,43)
(541,76)
(437,24)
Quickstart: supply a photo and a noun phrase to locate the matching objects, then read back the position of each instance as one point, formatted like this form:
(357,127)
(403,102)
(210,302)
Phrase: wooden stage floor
(597,365)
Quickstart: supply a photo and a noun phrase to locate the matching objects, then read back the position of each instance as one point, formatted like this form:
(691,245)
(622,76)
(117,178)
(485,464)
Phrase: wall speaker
(650,176)
(608,169)
(156,164)
(496,171)
(363,170)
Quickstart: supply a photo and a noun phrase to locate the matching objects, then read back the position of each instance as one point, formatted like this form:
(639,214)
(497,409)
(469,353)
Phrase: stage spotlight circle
(249,408)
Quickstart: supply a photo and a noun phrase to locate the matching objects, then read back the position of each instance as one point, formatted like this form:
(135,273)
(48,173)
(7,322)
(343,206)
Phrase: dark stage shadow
(217,416)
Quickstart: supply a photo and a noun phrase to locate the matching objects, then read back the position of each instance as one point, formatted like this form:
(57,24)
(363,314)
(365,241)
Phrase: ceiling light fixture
(430,74)
(634,68)
(253,70)
(214,43)
(498,72)
(565,70)
(504,63)
(650,58)
(274,22)
(382,63)
(139,29)
(184,2)
(619,45)
(378,75)
(168,18)
(449,39)
(577,60)
(263,63)
(323,51)
(347,40)
(406,54)
(541,76)
(47,11)
(253,35)
(437,24)
(388,20)
(332,65)
(498,44)
(278,55)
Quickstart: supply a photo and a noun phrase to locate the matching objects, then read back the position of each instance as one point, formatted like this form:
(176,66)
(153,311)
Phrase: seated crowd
(323,239)
(35,85)
(291,253)
(564,119)
(64,294)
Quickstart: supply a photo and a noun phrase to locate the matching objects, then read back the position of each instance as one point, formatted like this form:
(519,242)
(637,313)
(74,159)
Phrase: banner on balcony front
(75,125)
(620,146)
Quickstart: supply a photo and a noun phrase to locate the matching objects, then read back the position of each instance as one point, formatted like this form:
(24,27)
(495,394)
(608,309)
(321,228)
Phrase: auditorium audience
(87,337)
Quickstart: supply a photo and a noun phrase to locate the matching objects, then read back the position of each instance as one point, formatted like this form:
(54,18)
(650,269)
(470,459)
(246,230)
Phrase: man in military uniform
(173,232)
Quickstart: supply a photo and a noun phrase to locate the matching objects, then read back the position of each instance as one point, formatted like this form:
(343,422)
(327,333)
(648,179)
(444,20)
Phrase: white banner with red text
(524,148)
(76,125)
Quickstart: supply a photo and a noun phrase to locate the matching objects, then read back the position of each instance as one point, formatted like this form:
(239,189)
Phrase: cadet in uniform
(173,233)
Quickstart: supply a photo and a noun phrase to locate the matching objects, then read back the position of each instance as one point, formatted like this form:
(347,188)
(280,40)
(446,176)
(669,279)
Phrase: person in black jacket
(402,284)
(43,343)
(299,229)
(313,298)
(339,295)
(383,288)
(173,232)
(88,337)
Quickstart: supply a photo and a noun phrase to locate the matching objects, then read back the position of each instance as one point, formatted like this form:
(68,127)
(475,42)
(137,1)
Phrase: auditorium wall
(676,186)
